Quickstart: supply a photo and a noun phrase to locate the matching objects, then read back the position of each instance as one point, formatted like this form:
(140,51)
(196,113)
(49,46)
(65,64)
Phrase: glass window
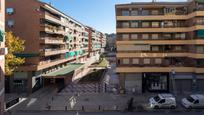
(134,36)
(126,61)
(155,36)
(199,49)
(9,11)
(145,36)
(135,61)
(10,23)
(155,12)
(145,24)
(125,36)
(155,24)
(155,48)
(158,61)
(145,12)
(125,24)
(125,13)
(146,61)
(134,24)
(134,12)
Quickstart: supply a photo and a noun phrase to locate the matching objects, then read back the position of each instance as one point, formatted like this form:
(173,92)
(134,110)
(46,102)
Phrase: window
(9,11)
(155,48)
(146,61)
(126,61)
(167,36)
(196,102)
(145,12)
(125,13)
(158,61)
(162,101)
(145,24)
(178,48)
(125,36)
(10,23)
(134,13)
(180,36)
(134,24)
(199,49)
(145,36)
(155,12)
(135,61)
(134,36)
(155,24)
(155,36)
(125,24)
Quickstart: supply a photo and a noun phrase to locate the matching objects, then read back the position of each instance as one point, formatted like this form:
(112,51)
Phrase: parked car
(193,101)
(163,101)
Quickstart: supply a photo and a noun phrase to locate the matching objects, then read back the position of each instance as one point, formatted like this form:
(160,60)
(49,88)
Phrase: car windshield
(190,99)
(156,98)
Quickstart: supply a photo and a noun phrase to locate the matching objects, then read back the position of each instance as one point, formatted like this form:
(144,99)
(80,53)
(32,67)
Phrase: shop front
(155,82)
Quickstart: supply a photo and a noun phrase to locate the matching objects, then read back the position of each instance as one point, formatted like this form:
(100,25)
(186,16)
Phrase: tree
(14,45)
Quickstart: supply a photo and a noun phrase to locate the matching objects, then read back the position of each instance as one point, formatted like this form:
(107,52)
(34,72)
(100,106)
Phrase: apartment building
(160,46)
(95,41)
(3,51)
(56,45)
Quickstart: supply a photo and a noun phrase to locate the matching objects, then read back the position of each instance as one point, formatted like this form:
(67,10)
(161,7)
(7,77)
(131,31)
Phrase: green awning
(200,33)
(66,55)
(26,55)
(68,38)
(1,36)
(71,54)
(63,71)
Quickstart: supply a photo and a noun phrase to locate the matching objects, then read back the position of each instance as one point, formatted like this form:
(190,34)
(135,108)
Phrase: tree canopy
(14,45)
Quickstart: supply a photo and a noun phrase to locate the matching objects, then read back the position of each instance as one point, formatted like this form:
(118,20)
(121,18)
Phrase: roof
(197,96)
(155,3)
(63,71)
(166,95)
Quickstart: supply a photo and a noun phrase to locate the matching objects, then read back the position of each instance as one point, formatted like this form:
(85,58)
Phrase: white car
(163,101)
(193,101)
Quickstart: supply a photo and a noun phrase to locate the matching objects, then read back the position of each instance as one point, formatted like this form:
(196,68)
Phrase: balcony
(52,29)
(48,40)
(158,69)
(52,18)
(49,52)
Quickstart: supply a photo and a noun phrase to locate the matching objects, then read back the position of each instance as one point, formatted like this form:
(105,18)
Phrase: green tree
(14,45)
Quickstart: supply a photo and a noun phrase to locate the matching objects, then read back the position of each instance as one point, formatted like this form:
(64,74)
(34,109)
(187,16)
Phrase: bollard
(66,108)
(99,107)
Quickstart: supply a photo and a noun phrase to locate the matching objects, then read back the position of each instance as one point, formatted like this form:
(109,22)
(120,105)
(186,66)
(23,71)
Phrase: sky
(99,14)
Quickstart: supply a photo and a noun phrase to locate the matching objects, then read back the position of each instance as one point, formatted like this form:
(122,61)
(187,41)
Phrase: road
(104,113)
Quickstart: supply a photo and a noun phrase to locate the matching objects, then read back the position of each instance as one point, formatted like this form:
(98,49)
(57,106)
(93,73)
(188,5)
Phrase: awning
(27,55)
(63,71)
(200,1)
(1,36)
(200,33)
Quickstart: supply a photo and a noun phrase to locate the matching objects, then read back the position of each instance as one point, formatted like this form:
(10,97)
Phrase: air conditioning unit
(3,51)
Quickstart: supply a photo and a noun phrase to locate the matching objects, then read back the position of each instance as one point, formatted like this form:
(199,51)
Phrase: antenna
(50,3)
(153,0)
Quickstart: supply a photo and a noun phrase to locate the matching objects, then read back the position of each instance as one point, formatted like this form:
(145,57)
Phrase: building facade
(53,40)
(160,46)
(3,51)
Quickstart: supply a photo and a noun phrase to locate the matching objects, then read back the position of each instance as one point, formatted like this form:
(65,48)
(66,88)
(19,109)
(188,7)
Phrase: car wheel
(173,107)
(156,107)
(189,108)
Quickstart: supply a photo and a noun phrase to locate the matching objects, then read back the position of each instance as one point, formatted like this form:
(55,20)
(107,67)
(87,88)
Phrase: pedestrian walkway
(90,88)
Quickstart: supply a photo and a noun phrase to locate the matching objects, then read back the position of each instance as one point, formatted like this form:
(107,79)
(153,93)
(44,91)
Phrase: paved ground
(103,113)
